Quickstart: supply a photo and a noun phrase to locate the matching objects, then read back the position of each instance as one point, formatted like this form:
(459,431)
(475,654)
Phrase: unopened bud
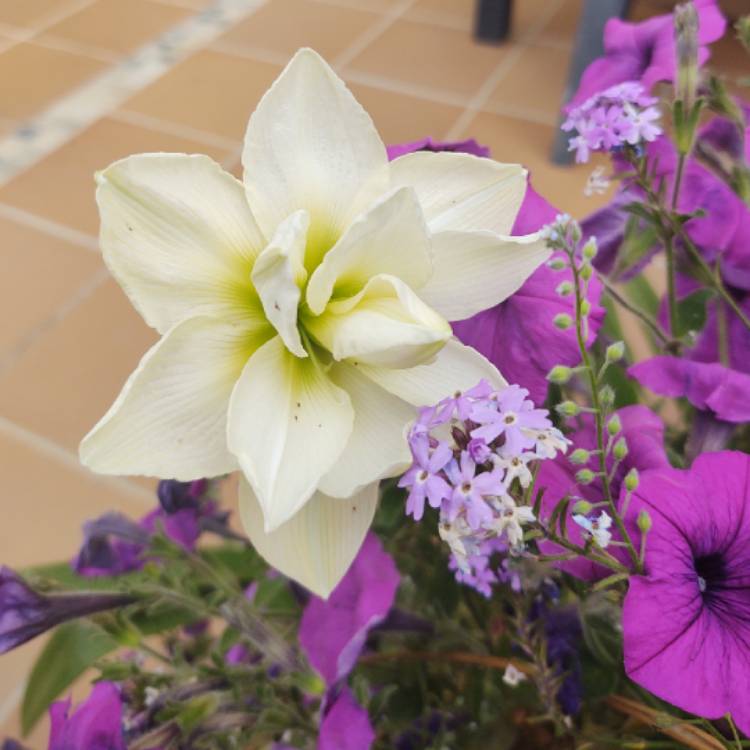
(557,264)
(559,374)
(563,321)
(582,508)
(644,521)
(585,476)
(615,352)
(606,395)
(632,480)
(565,289)
(614,425)
(590,249)
(585,306)
(743,31)
(575,232)
(586,271)
(620,449)
(580,456)
(686,42)
(568,409)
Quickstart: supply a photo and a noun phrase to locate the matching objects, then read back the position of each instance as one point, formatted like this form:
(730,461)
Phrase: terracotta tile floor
(69,337)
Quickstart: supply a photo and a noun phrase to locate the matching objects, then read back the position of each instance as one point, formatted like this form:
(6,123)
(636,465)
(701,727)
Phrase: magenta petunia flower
(95,725)
(644,433)
(345,725)
(333,632)
(645,51)
(686,622)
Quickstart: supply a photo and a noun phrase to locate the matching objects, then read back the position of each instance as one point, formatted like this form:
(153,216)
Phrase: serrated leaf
(72,649)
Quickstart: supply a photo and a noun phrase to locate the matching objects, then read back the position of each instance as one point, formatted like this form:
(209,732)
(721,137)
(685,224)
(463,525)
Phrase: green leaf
(642,295)
(638,242)
(72,649)
(691,311)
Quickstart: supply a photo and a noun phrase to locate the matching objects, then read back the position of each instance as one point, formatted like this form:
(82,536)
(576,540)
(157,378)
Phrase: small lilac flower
(423,479)
(516,467)
(511,520)
(25,614)
(345,725)
(478,450)
(686,621)
(511,416)
(333,632)
(597,528)
(95,725)
(513,676)
(470,491)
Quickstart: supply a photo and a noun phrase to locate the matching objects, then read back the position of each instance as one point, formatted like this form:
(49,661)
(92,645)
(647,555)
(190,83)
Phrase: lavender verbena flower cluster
(618,116)
(471,452)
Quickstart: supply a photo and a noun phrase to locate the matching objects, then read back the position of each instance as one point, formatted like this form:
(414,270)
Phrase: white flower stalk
(303,311)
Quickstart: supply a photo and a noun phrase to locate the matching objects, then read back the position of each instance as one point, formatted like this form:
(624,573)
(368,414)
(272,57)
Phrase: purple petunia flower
(345,725)
(333,632)
(644,432)
(95,725)
(686,621)
(25,614)
(707,386)
(645,51)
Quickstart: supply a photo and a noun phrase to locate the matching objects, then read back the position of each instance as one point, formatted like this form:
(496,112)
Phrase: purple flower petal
(469,146)
(346,725)
(708,386)
(332,633)
(95,725)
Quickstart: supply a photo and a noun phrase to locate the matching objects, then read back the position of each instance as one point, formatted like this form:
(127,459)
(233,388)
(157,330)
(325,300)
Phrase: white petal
(316,546)
(385,325)
(288,425)
(170,420)
(278,276)
(391,237)
(477,270)
(178,236)
(310,145)
(456,368)
(377,447)
(462,192)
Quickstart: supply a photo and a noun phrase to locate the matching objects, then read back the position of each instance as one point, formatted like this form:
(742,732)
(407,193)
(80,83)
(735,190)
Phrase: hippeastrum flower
(303,311)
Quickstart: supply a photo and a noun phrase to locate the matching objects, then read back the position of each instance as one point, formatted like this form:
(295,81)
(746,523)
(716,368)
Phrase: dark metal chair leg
(589,45)
(492,21)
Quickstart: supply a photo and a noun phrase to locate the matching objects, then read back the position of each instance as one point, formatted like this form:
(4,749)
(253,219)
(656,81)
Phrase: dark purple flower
(333,632)
(95,725)
(469,146)
(345,725)
(645,51)
(175,496)
(686,621)
(644,433)
(12,745)
(25,614)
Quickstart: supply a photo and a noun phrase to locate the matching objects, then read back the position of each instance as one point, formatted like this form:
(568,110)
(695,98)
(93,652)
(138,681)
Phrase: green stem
(599,418)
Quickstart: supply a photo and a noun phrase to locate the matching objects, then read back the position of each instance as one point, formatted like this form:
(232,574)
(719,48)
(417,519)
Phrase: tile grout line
(502,69)
(56,452)
(372,33)
(50,227)
(84,292)
(133,117)
(105,92)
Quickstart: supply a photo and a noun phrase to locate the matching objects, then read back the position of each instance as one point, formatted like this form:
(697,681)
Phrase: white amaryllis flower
(303,311)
